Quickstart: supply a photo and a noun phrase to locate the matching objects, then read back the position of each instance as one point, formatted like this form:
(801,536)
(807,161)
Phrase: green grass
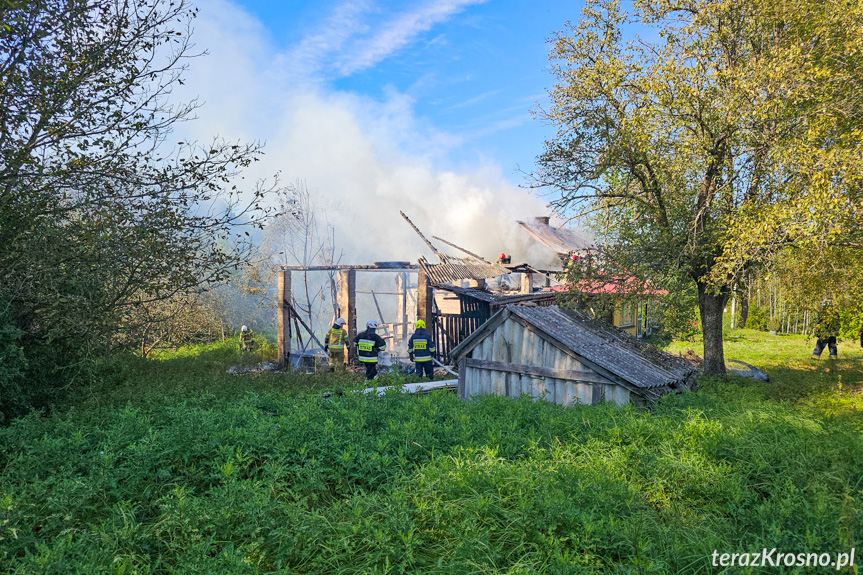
(172,466)
(785,359)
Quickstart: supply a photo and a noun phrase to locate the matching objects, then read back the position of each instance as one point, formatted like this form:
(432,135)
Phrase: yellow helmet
(421,324)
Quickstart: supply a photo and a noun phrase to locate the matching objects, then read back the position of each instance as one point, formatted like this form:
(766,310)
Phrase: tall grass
(256,475)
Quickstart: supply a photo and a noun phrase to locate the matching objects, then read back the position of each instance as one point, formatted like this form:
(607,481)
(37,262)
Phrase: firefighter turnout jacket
(369,344)
(421,346)
(827,324)
(335,338)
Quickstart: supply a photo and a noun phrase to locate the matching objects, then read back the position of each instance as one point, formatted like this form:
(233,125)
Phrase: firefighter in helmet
(247,338)
(334,345)
(826,330)
(369,344)
(421,349)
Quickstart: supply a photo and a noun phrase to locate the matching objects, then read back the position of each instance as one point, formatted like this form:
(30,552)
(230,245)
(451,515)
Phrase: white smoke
(365,159)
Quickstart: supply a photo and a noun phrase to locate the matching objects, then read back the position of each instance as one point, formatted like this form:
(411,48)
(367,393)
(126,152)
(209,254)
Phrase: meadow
(170,465)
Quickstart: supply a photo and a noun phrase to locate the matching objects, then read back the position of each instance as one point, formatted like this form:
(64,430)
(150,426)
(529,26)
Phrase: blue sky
(421,106)
(472,69)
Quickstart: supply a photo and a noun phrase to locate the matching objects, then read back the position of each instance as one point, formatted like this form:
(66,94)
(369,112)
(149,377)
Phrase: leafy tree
(99,209)
(662,144)
(814,71)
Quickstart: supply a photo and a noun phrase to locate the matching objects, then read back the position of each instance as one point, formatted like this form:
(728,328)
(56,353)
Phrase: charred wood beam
(440,256)
(340,267)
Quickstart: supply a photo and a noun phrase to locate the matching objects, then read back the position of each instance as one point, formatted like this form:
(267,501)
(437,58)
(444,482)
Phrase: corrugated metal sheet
(481,295)
(612,349)
(454,269)
(561,240)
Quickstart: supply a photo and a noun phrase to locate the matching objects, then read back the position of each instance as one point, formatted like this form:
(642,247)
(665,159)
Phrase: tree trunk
(744,306)
(711,306)
(744,310)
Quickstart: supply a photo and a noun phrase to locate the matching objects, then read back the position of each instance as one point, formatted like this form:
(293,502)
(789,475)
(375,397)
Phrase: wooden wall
(514,360)
(450,329)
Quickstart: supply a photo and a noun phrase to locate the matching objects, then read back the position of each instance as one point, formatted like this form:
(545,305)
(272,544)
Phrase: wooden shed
(566,357)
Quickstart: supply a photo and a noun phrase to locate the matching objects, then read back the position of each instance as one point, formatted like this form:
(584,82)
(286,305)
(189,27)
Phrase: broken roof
(610,349)
(453,269)
(497,298)
(561,240)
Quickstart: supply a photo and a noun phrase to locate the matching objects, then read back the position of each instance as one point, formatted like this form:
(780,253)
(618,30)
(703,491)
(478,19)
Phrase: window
(626,315)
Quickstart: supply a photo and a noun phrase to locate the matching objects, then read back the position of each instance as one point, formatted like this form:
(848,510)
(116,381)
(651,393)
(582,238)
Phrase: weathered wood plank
(526,382)
(348,305)
(462,375)
(516,342)
(584,393)
(425,297)
(570,396)
(488,365)
(283,318)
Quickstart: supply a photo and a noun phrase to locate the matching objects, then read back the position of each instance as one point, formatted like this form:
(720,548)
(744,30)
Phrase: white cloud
(308,58)
(347,42)
(400,31)
(366,159)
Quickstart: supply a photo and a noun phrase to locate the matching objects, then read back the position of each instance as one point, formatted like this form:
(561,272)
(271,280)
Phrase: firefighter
(334,345)
(826,330)
(247,338)
(421,350)
(504,259)
(369,344)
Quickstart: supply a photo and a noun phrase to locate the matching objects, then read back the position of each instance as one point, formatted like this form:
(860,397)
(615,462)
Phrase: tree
(816,62)
(298,238)
(663,144)
(99,209)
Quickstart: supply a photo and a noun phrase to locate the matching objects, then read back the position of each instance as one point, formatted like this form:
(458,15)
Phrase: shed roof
(607,347)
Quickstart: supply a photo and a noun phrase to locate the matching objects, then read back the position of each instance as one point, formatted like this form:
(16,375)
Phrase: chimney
(541,220)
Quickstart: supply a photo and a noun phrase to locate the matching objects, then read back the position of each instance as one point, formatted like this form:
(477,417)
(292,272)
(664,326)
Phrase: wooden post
(526,282)
(425,298)
(348,305)
(283,317)
(462,377)
(402,313)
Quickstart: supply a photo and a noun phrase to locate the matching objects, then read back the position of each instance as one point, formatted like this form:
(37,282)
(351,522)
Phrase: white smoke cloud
(365,159)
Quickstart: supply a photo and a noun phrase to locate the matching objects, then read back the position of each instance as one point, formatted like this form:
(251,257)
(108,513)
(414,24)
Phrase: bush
(36,371)
(773,323)
(679,316)
(12,366)
(757,318)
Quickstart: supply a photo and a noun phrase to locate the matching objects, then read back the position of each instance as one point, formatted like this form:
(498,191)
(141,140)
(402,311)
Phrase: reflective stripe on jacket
(335,338)
(421,345)
(369,344)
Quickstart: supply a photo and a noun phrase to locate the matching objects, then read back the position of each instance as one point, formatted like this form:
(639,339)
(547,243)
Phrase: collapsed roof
(562,241)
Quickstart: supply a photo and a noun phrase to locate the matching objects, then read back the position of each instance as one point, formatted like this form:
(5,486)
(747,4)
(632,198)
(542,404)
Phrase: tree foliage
(814,71)
(665,144)
(100,209)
